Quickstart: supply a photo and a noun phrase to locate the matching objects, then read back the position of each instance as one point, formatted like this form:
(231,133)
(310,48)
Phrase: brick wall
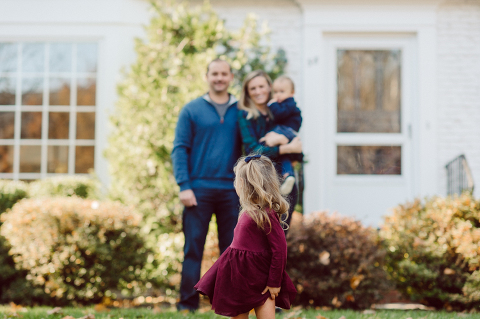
(458,30)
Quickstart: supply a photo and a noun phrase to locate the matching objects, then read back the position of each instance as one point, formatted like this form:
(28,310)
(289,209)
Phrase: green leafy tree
(169,72)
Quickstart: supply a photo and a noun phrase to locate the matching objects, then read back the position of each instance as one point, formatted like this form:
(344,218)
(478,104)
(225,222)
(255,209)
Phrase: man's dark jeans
(225,205)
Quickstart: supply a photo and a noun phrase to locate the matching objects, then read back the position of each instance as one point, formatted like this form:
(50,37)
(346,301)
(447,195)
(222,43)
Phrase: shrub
(433,250)
(13,285)
(11,192)
(335,261)
(66,185)
(76,250)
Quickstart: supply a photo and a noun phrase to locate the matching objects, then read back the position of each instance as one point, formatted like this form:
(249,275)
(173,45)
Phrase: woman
(255,120)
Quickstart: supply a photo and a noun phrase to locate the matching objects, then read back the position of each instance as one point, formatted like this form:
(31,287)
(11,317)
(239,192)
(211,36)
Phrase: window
(47,109)
(368,103)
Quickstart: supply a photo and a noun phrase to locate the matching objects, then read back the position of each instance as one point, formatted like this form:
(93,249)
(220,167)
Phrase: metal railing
(459,176)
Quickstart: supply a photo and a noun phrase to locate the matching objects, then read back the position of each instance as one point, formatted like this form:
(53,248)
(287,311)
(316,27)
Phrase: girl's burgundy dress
(255,259)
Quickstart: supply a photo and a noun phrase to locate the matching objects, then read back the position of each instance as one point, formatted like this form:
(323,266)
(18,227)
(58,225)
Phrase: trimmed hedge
(11,192)
(66,185)
(434,250)
(76,250)
(13,285)
(335,262)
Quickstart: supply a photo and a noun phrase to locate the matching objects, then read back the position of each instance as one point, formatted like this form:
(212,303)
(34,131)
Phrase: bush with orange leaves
(336,262)
(434,251)
(76,250)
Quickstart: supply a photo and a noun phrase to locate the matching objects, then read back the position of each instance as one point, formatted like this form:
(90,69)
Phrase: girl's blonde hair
(245,103)
(258,187)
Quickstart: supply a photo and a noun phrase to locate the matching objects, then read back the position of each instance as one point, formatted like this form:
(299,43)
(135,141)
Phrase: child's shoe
(287,186)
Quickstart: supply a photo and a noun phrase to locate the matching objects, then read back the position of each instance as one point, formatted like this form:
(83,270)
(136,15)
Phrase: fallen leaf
(449,271)
(368,312)
(337,303)
(324,257)
(89,316)
(68,317)
(350,298)
(321,317)
(355,281)
(17,308)
(54,311)
(342,317)
(100,308)
(292,314)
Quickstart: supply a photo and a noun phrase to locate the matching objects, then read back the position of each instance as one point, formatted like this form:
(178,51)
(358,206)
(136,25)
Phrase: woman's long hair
(245,103)
(258,187)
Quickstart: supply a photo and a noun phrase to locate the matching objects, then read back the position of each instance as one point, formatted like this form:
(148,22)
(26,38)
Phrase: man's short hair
(219,60)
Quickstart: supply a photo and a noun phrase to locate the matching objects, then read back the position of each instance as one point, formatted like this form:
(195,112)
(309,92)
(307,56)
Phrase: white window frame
(72,109)
(404,43)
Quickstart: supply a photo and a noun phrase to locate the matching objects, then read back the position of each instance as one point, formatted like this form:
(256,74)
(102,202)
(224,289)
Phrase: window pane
(368,96)
(31,126)
(84,157)
(30,158)
(87,57)
(370,160)
(58,125)
(33,57)
(60,57)
(86,90)
(86,125)
(59,91)
(57,159)
(8,57)
(32,91)
(6,158)
(7,125)
(7,91)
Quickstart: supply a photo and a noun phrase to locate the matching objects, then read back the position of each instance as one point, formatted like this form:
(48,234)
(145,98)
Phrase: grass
(7,312)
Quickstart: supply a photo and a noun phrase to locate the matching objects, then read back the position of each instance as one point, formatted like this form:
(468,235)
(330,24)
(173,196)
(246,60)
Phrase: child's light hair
(258,187)
(285,78)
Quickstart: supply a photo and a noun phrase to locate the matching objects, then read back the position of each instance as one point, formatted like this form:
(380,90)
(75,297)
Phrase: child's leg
(241,316)
(285,131)
(287,167)
(267,310)
(287,172)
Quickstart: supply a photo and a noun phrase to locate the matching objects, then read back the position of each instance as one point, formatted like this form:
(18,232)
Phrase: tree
(169,71)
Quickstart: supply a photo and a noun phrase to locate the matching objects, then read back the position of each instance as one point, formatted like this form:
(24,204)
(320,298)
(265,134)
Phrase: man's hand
(273,292)
(187,197)
(273,139)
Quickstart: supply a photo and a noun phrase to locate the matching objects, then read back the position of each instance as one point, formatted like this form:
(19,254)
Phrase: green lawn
(145,313)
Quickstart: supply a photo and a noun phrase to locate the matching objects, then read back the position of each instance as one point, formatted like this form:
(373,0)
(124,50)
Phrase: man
(207,145)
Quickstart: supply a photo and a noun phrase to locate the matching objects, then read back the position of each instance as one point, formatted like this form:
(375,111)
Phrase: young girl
(250,274)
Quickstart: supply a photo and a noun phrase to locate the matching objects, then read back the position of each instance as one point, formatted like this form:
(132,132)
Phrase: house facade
(389,90)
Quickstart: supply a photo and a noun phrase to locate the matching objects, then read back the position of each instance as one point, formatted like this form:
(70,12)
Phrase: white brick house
(370,144)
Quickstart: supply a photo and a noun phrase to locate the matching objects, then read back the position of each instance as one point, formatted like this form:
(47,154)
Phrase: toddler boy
(288,118)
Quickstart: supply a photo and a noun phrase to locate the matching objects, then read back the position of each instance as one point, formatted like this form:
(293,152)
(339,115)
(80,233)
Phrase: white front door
(370,83)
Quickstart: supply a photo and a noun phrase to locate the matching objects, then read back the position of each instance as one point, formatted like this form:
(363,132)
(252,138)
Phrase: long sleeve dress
(255,259)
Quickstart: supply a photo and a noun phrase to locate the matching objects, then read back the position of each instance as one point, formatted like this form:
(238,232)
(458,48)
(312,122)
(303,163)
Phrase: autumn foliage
(335,262)
(13,285)
(76,250)
(434,250)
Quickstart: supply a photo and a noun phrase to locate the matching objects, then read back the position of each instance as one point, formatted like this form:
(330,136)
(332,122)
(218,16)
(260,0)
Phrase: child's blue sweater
(287,113)
(205,147)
